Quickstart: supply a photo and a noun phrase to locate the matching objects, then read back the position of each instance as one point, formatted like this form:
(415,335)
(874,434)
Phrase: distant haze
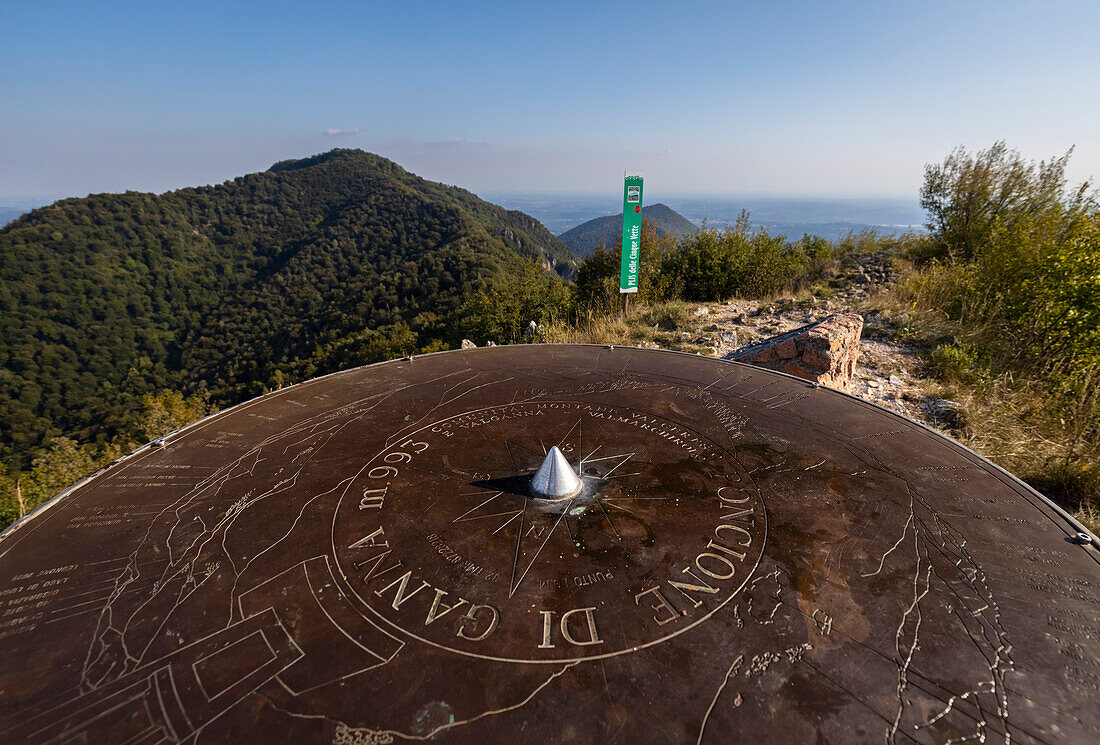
(829,218)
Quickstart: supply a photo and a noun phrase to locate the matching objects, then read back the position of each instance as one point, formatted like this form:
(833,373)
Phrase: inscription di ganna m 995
(666,528)
(550,543)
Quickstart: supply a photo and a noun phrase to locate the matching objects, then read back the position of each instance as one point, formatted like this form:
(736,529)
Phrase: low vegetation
(1007,298)
(64,461)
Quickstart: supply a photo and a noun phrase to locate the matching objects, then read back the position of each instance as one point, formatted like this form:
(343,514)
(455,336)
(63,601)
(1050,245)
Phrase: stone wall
(824,352)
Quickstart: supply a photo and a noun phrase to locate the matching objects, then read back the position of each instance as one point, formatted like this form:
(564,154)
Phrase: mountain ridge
(313,265)
(587,237)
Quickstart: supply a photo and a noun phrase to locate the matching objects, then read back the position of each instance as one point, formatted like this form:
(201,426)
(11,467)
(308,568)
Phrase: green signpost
(632,234)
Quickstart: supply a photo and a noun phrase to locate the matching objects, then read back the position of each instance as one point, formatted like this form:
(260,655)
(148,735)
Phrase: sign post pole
(630,260)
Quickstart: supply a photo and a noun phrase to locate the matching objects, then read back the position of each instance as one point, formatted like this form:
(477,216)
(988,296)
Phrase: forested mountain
(311,266)
(586,237)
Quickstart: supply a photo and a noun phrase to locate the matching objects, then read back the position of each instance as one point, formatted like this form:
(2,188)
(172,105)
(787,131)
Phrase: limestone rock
(786,349)
(824,352)
(944,412)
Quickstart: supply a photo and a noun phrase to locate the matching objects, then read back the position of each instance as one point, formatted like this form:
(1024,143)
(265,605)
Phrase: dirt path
(887,372)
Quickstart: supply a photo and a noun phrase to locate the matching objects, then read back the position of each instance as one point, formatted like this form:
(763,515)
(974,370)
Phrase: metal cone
(555,478)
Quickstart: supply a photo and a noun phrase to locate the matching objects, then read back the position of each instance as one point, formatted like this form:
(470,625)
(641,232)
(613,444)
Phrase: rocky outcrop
(824,352)
(859,276)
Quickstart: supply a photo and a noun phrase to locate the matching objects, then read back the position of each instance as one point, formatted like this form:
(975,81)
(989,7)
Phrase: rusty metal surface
(359,559)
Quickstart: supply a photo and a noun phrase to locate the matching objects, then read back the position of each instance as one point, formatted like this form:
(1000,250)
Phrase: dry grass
(1043,433)
(659,325)
(1017,426)
(1089,514)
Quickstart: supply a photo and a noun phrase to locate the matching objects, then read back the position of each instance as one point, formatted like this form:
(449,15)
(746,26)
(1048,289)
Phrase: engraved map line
(441,728)
(998,646)
(923,538)
(215,482)
(782,602)
(960,697)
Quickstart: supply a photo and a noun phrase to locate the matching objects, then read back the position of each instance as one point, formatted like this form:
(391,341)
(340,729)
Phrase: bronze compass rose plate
(543,543)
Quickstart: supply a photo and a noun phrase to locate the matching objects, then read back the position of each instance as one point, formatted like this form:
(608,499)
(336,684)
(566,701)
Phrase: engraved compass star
(508,509)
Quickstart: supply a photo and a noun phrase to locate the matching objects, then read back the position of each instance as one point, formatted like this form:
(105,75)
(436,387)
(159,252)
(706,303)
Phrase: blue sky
(780,98)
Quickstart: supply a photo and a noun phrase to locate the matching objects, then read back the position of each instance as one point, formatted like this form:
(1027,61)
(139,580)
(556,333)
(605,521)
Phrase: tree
(1026,259)
(597,287)
(716,265)
(312,266)
(967,196)
(62,464)
(167,411)
(502,311)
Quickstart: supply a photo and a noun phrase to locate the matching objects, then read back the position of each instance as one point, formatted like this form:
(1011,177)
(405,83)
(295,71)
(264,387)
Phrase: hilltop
(587,237)
(311,266)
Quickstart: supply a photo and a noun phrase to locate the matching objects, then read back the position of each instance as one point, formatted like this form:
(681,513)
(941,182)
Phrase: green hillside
(587,237)
(314,265)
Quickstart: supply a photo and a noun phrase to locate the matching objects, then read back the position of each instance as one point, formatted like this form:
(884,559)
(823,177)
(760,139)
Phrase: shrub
(1014,276)
(1032,301)
(714,266)
(597,288)
(1021,267)
(968,197)
(502,311)
(954,363)
(815,247)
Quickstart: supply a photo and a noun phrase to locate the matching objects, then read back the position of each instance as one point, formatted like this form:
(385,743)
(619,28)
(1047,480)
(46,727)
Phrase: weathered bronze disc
(709,553)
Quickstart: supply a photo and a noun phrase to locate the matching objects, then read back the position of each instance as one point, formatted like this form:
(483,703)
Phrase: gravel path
(887,372)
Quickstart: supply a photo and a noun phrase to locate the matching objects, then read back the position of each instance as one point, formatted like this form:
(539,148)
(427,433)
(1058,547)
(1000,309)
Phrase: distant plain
(791,216)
